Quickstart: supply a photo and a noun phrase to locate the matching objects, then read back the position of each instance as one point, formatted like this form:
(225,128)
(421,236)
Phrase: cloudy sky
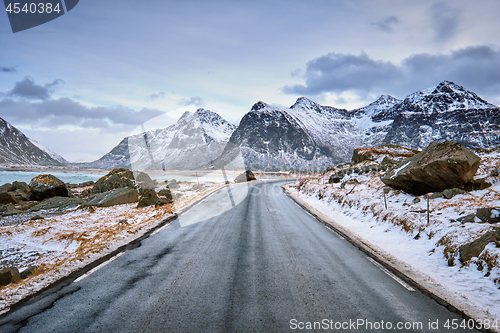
(82,82)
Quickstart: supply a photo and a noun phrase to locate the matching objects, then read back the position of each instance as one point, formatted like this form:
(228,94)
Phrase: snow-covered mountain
(445,112)
(193,142)
(55,156)
(17,149)
(306,136)
(309,136)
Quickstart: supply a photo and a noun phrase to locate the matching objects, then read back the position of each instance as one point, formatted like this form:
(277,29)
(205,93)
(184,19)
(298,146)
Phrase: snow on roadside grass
(402,229)
(63,244)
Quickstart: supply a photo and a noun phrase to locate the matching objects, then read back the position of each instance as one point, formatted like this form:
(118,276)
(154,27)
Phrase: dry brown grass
(393,152)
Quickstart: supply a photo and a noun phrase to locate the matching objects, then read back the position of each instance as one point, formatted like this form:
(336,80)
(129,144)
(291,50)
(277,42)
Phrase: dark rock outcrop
(47,186)
(114,197)
(477,185)
(9,275)
(7,187)
(143,180)
(173,184)
(360,155)
(61,204)
(28,271)
(246,176)
(450,193)
(7,198)
(394,153)
(116,178)
(474,249)
(438,167)
(166,195)
(489,214)
(148,198)
(20,186)
(360,168)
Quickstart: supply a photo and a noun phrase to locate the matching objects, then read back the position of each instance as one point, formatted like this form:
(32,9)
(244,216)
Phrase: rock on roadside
(474,249)
(9,275)
(438,167)
(246,176)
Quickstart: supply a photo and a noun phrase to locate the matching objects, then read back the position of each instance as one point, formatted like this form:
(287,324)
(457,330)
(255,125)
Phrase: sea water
(80,177)
(67,177)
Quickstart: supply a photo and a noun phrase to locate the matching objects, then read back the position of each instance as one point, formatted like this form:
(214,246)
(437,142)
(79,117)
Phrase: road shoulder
(416,278)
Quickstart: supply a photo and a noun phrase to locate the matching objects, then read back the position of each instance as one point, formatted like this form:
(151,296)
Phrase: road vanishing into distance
(245,259)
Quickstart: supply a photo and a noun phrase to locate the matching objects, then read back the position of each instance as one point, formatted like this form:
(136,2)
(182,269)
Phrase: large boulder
(148,198)
(477,185)
(474,249)
(246,176)
(114,197)
(57,203)
(20,186)
(6,198)
(438,167)
(489,214)
(173,184)
(47,186)
(116,178)
(9,275)
(7,187)
(167,195)
(143,180)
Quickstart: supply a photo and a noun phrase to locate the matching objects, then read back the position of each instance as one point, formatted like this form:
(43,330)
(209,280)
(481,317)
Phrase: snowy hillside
(445,112)
(55,156)
(17,149)
(192,142)
(307,136)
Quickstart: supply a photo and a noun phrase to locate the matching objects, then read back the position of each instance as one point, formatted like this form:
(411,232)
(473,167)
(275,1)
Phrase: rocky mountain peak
(259,106)
(386,100)
(446,96)
(186,116)
(379,110)
(446,112)
(17,149)
(207,116)
(305,102)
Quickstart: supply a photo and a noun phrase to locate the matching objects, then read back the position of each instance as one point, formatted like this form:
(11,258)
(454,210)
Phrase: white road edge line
(160,229)
(395,278)
(334,232)
(98,267)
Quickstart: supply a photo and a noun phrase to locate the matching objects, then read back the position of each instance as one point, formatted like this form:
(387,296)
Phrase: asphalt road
(251,261)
